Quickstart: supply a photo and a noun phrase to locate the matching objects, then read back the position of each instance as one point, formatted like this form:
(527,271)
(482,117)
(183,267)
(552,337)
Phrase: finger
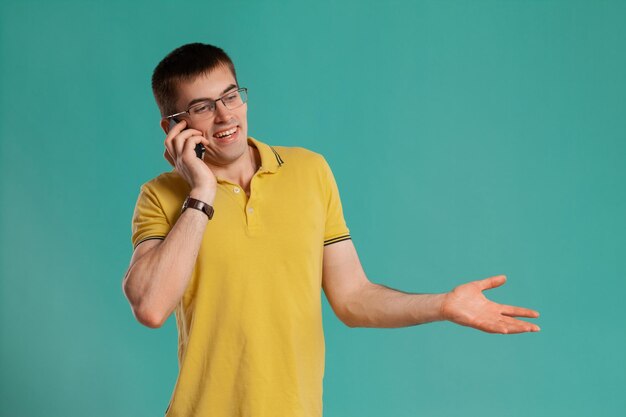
(493,282)
(513,311)
(517,326)
(179,141)
(169,149)
(500,327)
(190,144)
(168,157)
(178,127)
(175,130)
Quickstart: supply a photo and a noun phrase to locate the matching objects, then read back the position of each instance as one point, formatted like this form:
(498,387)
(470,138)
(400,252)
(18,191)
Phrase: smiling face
(226,130)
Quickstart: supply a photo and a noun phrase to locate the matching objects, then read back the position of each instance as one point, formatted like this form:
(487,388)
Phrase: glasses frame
(239,90)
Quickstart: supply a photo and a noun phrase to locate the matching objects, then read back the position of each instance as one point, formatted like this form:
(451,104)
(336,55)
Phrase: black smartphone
(199,148)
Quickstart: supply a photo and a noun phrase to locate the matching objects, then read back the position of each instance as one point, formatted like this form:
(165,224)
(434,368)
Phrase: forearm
(158,280)
(379,306)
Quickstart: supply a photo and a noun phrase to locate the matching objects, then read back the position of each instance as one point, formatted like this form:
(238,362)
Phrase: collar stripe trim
(278,158)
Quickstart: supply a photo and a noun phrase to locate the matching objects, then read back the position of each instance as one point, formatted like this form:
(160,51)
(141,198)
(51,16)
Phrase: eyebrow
(197,100)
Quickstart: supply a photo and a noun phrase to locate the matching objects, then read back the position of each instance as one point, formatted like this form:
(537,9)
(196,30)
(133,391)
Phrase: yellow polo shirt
(250,338)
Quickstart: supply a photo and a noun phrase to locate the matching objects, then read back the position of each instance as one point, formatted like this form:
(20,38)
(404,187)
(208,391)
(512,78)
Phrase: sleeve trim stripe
(337,239)
(148,238)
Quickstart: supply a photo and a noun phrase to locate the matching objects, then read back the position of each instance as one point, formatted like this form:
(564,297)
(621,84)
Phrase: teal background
(468,139)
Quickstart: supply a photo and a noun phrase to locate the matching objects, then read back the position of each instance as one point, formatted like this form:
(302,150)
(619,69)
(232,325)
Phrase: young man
(239,243)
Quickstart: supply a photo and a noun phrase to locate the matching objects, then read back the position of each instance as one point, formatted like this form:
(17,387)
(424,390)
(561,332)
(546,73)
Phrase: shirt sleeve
(149,220)
(335,228)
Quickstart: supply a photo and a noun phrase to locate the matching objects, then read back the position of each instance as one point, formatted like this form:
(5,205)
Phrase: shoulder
(168,185)
(300,156)
(167,192)
(308,168)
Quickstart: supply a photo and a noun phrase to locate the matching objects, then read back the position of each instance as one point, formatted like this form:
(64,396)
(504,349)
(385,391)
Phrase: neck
(242,171)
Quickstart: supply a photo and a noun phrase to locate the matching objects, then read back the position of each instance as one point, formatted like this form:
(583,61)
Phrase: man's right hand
(180,152)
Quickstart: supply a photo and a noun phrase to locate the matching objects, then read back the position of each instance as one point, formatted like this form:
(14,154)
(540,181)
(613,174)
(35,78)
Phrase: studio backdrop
(468,139)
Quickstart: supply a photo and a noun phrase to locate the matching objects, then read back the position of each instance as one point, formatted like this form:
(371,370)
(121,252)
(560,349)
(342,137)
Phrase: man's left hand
(466,305)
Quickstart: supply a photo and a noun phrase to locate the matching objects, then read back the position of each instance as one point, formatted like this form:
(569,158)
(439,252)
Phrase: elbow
(353,322)
(356,313)
(353,309)
(148,319)
(342,314)
(149,314)
(350,311)
(350,324)
(146,316)
(348,318)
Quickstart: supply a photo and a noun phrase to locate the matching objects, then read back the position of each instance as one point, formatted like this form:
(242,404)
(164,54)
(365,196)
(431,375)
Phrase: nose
(222,114)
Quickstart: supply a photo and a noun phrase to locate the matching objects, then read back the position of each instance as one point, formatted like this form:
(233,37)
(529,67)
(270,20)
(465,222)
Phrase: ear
(165,125)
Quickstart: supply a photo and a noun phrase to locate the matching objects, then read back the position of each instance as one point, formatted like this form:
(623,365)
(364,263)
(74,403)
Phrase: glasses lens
(234,99)
(244,95)
(202,110)
(206,109)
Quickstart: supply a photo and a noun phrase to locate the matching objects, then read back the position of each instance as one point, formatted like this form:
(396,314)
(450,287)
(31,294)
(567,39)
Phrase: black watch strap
(198,205)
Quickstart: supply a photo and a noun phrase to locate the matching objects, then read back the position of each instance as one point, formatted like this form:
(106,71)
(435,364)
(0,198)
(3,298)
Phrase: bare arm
(159,271)
(360,303)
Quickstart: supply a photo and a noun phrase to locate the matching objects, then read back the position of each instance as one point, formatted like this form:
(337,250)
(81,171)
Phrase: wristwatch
(198,205)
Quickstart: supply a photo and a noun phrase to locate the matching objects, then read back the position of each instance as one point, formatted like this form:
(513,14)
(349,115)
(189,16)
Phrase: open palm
(466,305)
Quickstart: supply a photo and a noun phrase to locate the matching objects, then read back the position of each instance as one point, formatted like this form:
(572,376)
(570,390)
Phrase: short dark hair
(184,64)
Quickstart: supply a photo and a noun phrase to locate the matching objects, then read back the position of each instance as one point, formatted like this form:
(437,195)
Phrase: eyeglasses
(205,109)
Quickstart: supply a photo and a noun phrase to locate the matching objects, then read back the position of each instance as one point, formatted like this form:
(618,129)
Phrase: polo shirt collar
(270,159)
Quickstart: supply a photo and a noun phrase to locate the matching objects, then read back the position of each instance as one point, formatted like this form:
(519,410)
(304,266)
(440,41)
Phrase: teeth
(226,133)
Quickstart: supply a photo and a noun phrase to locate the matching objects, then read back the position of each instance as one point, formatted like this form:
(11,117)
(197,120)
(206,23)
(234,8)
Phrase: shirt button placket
(251,217)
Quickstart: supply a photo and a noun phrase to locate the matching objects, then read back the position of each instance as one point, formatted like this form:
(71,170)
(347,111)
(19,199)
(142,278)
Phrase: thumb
(492,282)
